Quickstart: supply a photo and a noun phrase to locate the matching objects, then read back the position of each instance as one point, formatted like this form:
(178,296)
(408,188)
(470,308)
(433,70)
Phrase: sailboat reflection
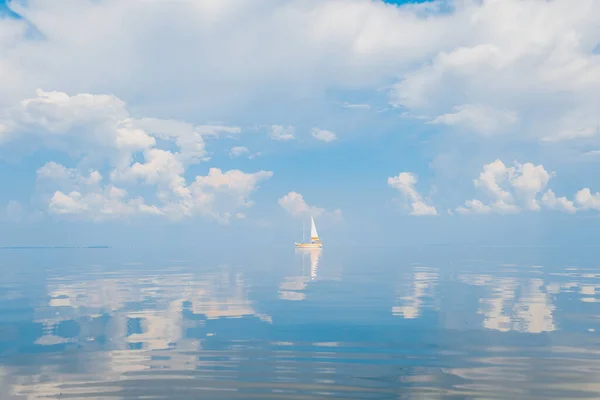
(292,287)
(314,255)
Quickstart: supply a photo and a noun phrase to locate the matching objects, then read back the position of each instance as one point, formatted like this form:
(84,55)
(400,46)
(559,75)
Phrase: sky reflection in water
(364,323)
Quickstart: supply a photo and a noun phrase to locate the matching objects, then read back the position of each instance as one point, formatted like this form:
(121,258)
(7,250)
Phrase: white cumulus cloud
(238,151)
(474,206)
(84,195)
(498,73)
(587,200)
(100,134)
(280,132)
(218,195)
(550,200)
(405,183)
(477,118)
(357,106)
(509,189)
(295,205)
(521,188)
(323,135)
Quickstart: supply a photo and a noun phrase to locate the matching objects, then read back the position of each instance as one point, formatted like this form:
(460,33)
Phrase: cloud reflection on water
(230,331)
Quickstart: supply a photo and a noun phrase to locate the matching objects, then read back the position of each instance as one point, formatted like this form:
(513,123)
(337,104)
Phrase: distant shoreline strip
(51,247)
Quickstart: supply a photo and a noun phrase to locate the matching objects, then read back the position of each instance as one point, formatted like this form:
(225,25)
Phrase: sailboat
(314,238)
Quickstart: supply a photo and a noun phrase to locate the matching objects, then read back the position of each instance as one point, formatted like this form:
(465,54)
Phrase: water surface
(345,323)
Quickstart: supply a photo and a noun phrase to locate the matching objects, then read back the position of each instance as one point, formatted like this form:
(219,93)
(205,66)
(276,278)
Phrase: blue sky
(394,123)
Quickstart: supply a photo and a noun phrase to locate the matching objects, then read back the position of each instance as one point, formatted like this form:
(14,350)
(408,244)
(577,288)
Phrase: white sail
(313,230)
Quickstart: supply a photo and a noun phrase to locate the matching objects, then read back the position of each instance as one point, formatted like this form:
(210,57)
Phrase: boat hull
(309,245)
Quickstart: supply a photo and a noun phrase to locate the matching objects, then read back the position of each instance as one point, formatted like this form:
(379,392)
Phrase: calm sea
(344,323)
